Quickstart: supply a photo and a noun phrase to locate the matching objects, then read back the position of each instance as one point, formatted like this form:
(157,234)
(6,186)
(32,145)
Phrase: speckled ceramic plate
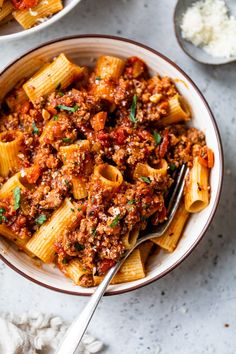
(84,50)
(12,30)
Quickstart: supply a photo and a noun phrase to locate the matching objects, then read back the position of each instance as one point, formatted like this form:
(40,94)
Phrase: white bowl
(12,29)
(84,50)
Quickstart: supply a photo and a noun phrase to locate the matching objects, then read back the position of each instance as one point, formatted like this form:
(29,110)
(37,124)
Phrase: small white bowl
(84,50)
(12,30)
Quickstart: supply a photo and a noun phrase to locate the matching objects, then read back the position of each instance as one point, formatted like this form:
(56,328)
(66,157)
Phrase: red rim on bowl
(221,163)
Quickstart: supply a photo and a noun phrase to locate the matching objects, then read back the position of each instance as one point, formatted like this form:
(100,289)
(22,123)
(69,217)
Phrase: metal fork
(76,331)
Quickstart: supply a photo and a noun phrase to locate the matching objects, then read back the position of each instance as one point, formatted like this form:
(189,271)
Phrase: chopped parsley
(41,219)
(98,78)
(157,137)
(66,140)
(35,129)
(94,232)
(17,197)
(132,115)
(65,261)
(67,182)
(55,117)
(132,201)
(172,167)
(79,209)
(69,109)
(145,179)
(2,217)
(79,247)
(115,222)
(73,210)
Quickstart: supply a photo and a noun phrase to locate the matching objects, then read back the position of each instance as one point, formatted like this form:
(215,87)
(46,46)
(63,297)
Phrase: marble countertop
(193,309)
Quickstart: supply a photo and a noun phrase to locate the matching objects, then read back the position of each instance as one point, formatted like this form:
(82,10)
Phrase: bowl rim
(221,164)
(41,26)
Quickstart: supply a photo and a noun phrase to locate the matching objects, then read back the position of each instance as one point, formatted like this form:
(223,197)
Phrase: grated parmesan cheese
(207,24)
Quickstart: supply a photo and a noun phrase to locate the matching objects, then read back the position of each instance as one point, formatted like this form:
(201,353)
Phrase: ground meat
(68,134)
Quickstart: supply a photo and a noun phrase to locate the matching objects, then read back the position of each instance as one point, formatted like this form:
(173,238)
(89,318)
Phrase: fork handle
(76,331)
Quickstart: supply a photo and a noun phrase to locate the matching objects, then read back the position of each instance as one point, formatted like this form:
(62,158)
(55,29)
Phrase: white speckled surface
(185,312)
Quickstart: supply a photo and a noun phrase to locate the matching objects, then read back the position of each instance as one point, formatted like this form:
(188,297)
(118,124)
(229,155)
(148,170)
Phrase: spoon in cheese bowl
(206,30)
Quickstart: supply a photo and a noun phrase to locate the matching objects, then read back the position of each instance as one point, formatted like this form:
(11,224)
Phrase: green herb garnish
(67,182)
(94,232)
(17,196)
(66,140)
(145,179)
(55,117)
(79,247)
(132,201)
(35,129)
(41,219)
(69,109)
(2,217)
(132,115)
(172,167)
(115,222)
(65,261)
(98,78)
(73,210)
(157,137)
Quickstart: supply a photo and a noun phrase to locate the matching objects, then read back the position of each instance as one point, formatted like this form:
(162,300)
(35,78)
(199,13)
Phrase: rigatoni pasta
(30,17)
(29,13)
(197,188)
(91,162)
(59,74)
(10,146)
(170,239)
(5,10)
(41,244)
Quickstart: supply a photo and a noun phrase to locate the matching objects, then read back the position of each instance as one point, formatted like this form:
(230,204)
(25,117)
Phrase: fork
(76,331)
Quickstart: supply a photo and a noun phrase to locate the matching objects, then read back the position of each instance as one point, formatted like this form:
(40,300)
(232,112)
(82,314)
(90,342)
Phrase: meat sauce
(105,216)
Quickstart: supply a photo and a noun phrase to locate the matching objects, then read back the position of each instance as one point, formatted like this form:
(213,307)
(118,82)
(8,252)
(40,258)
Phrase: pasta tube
(197,188)
(130,238)
(133,268)
(75,271)
(60,72)
(108,67)
(109,176)
(29,18)
(170,239)
(19,242)
(42,243)
(178,111)
(10,145)
(16,98)
(5,9)
(144,170)
(79,189)
(10,185)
